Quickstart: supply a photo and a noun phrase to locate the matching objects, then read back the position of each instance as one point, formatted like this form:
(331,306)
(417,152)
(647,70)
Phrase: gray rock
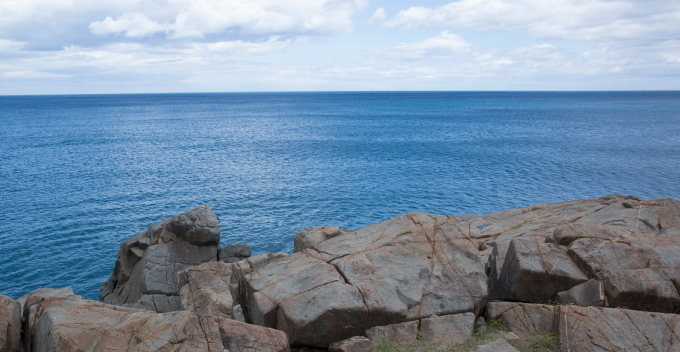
(448,330)
(237,313)
(352,344)
(589,293)
(524,317)
(535,272)
(10,325)
(233,253)
(480,324)
(606,329)
(402,332)
(500,345)
(145,274)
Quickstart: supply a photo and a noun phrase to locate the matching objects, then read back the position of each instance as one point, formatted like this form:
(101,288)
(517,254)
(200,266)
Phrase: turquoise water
(79,174)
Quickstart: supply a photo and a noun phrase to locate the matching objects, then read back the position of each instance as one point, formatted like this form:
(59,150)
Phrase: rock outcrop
(145,274)
(613,263)
(10,325)
(69,323)
(631,246)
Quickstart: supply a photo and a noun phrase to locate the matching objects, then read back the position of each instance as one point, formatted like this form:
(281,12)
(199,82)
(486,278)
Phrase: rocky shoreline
(603,274)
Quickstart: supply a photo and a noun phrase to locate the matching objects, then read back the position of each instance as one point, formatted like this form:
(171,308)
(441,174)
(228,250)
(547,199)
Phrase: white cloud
(199,18)
(593,20)
(133,24)
(378,15)
(443,46)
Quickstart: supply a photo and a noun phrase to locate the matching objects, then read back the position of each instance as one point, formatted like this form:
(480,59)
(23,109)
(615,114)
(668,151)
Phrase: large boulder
(10,325)
(402,332)
(341,284)
(604,329)
(145,274)
(70,323)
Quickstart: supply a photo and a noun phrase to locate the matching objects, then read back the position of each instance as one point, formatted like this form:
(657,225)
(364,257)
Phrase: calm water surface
(79,174)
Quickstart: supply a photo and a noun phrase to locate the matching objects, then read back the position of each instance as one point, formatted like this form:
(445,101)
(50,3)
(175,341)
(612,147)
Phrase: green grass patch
(535,342)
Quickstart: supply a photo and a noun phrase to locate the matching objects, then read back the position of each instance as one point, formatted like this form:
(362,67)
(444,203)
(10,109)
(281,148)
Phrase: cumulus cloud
(596,20)
(443,46)
(378,15)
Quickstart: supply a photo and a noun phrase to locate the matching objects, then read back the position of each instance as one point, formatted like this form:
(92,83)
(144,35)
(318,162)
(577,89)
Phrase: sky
(166,46)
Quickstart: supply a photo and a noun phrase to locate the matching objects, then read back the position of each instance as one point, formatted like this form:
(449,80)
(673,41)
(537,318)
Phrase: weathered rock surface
(402,332)
(33,302)
(352,344)
(145,274)
(70,323)
(632,246)
(500,345)
(524,317)
(10,325)
(605,329)
(234,253)
(205,289)
(448,330)
(308,238)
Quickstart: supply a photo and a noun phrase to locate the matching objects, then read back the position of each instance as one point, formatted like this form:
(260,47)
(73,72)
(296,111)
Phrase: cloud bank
(72,46)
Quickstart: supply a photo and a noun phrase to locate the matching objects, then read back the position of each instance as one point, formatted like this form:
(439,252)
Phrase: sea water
(80,174)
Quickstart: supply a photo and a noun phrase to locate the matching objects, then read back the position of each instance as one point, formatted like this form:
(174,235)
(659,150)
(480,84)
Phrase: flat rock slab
(10,325)
(352,344)
(524,317)
(145,273)
(608,329)
(500,345)
(402,332)
(447,330)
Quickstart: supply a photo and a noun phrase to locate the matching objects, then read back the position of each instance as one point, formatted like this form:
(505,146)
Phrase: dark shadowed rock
(233,253)
(605,329)
(205,289)
(535,271)
(145,274)
(352,344)
(448,330)
(402,332)
(322,315)
(524,317)
(589,293)
(10,325)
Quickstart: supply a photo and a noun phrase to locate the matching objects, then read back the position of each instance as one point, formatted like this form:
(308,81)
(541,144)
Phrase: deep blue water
(79,174)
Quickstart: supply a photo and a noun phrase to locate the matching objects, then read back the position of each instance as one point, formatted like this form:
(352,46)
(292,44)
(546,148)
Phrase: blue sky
(138,46)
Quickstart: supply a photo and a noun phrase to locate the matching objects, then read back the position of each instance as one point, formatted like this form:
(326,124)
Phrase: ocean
(81,173)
